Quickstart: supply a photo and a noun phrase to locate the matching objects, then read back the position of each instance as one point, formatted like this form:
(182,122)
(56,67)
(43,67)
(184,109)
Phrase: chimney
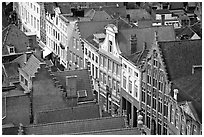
(71,86)
(196,67)
(175,93)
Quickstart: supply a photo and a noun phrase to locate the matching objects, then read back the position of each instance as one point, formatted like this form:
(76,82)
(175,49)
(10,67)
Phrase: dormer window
(11,49)
(99,37)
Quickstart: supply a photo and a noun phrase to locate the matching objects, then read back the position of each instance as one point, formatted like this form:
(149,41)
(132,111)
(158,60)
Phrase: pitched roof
(11,70)
(65,7)
(122,131)
(31,66)
(78,126)
(83,82)
(176,5)
(97,15)
(84,27)
(49,7)
(138,14)
(180,56)
(69,114)
(147,35)
(12,36)
(162,11)
(116,11)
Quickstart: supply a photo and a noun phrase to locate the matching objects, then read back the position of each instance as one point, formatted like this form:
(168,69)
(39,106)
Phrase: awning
(46,52)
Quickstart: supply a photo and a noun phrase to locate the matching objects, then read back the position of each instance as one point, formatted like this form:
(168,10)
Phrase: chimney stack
(71,86)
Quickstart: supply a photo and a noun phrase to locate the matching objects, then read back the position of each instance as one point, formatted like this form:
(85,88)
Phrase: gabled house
(28,71)
(166,62)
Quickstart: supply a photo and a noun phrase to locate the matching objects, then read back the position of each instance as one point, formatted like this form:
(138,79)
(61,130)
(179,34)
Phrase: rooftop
(83,82)
(13,36)
(78,126)
(69,114)
(180,56)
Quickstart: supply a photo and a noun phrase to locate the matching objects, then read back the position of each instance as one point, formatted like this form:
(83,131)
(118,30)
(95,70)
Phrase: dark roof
(13,36)
(176,5)
(11,70)
(31,66)
(122,131)
(138,14)
(49,7)
(197,28)
(84,27)
(83,82)
(77,126)
(147,35)
(69,114)
(180,56)
(10,131)
(17,110)
(5,21)
(116,11)
(97,15)
(65,7)
(162,11)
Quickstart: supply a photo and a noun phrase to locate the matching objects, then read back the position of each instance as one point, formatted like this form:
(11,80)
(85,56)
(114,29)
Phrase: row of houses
(130,65)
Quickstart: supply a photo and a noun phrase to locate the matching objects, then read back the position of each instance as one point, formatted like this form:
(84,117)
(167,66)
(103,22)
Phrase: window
(92,56)
(143,94)
(172,114)
(31,20)
(26,82)
(136,89)
(176,118)
(22,79)
(165,107)
(37,10)
(159,126)
(89,54)
(101,60)
(109,64)
(34,22)
(194,129)
(130,86)
(114,84)
(31,5)
(117,69)
(96,72)
(11,50)
(188,130)
(93,70)
(148,95)
(165,129)
(110,46)
(124,81)
(135,74)
(104,62)
(96,59)
(56,20)
(86,51)
(160,104)
(74,42)
(34,7)
(154,103)
(38,25)
(124,66)
(104,79)
(148,120)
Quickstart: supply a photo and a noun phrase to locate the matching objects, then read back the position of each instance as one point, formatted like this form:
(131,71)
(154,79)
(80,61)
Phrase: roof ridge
(80,106)
(72,121)
(9,27)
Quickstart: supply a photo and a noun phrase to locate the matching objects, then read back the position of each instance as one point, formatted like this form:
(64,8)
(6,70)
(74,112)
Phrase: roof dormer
(99,37)
(11,49)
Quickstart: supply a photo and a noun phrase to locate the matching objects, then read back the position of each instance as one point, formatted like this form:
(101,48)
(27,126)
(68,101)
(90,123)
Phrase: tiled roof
(116,11)
(20,60)
(123,131)
(180,56)
(147,35)
(84,27)
(12,36)
(162,11)
(69,114)
(138,57)
(190,89)
(31,66)
(176,5)
(77,126)
(65,7)
(83,82)
(17,110)
(11,70)
(138,14)
(98,15)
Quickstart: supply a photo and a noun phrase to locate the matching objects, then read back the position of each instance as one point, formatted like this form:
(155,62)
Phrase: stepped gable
(180,56)
(46,91)
(83,82)
(13,36)
(72,113)
(77,126)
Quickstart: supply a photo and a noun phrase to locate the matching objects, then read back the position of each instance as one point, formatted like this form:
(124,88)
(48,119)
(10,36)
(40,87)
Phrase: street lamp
(140,124)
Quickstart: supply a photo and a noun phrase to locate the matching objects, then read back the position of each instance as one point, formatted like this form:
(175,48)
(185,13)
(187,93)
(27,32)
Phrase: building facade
(30,17)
